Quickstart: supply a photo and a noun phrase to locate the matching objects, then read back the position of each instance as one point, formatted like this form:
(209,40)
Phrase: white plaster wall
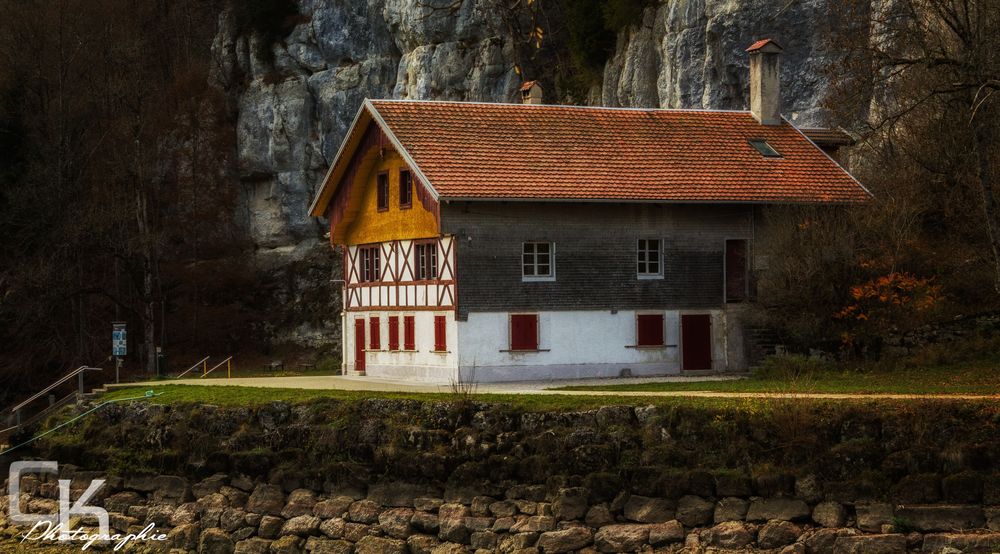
(579,344)
(423,364)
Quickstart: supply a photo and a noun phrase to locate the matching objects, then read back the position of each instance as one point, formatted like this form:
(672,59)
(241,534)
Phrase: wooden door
(696,342)
(359,345)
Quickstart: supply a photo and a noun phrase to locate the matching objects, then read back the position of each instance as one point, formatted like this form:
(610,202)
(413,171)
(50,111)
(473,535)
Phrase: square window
(405,189)
(649,330)
(537,261)
(383,191)
(648,258)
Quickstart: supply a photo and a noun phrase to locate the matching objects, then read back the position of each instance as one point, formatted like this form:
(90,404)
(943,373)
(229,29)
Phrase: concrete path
(351,383)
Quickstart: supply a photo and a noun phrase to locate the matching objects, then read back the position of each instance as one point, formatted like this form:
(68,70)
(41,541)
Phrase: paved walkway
(534,387)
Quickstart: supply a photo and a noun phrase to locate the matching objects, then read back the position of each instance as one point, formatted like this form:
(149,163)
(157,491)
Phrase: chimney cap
(768,45)
(527,85)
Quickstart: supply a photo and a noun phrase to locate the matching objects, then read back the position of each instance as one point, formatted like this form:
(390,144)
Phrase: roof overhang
(367,114)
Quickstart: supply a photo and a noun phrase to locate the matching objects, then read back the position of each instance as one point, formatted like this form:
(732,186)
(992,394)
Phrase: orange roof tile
(514,151)
(762,43)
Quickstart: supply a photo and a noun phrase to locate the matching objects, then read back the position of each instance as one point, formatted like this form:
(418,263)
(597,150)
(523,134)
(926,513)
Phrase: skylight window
(764,148)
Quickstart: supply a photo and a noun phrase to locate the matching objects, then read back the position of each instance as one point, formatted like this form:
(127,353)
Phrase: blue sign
(119,344)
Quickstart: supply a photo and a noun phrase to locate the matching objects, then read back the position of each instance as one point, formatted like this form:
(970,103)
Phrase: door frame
(711,338)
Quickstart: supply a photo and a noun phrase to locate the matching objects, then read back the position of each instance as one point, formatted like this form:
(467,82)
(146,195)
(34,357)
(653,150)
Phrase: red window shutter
(373,330)
(649,329)
(524,332)
(409,334)
(393,332)
(440,334)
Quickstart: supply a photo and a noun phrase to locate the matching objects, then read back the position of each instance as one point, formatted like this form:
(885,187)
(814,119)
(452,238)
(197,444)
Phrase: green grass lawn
(981,377)
(242,396)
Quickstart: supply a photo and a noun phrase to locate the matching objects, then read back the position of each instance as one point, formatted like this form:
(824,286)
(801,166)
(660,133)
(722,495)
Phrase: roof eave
(319,204)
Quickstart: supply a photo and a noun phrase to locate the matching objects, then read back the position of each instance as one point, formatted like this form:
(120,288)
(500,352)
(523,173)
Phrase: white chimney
(765,81)
(531,93)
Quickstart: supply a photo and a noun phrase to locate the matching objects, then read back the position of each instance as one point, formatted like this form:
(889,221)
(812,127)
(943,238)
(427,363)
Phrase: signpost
(119,345)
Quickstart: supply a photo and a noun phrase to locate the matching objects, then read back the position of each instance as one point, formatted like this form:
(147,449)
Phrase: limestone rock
(363,511)
(775,534)
(665,533)
(872,516)
(378,545)
(967,544)
(694,511)
(255,545)
(731,509)
(266,500)
(787,509)
(315,545)
(648,510)
(621,538)
(422,544)
(941,518)
(566,540)
(332,507)
(300,502)
(829,514)
(396,522)
(215,541)
(301,526)
(598,516)
(730,534)
(571,503)
(870,544)
(287,545)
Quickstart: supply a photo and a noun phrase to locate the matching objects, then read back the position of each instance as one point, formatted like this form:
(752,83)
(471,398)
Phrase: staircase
(28,413)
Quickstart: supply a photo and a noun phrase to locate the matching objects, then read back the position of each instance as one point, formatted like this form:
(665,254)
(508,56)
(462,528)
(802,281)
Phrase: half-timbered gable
(497,242)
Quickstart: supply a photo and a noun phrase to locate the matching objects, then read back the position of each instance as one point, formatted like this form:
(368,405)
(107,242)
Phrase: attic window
(764,148)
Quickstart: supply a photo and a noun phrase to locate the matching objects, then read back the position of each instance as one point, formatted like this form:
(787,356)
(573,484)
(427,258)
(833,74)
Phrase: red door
(359,345)
(696,341)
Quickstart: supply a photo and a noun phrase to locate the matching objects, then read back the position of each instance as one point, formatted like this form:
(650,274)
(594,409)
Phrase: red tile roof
(527,85)
(762,43)
(514,151)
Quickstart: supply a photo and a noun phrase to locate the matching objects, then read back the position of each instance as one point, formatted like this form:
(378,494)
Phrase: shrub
(792,367)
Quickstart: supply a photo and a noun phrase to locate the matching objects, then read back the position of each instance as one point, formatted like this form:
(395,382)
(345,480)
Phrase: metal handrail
(14,428)
(218,365)
(196,364)
(42,392)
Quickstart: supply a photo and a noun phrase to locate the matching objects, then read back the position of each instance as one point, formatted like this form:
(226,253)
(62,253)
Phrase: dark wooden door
(696,341)
(359,345)
(736,270)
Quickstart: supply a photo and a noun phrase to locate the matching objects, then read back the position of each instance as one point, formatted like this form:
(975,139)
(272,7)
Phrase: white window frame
(638,251)
(552,262)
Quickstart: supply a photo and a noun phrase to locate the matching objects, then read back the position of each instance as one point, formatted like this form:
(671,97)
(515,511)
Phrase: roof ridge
(568,106)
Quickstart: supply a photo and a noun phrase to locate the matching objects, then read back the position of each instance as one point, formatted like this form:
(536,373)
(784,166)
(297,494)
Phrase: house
(498,242)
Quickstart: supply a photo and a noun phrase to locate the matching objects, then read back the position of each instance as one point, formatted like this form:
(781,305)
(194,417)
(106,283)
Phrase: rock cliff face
(294,110)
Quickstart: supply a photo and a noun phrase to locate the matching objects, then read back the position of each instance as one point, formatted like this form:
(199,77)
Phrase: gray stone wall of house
(595,254)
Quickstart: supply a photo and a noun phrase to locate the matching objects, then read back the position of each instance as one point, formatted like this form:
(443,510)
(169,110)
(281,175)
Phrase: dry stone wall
(227,514)
(395,475)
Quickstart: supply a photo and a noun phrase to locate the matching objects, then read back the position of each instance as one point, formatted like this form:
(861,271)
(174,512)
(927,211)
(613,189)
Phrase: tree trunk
(984,145)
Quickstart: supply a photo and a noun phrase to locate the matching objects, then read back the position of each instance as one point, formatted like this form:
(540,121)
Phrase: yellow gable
(368,224)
